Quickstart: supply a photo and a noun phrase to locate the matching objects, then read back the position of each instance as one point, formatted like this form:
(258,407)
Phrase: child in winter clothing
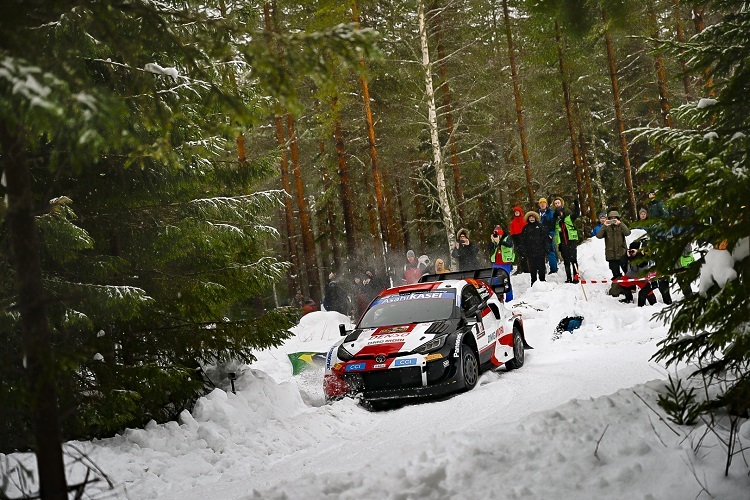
(500,250)
(535,239)
(516,226)
(567,235)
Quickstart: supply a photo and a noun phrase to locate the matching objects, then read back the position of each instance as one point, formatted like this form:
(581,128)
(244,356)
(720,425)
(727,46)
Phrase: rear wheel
(518,351)
(469,367)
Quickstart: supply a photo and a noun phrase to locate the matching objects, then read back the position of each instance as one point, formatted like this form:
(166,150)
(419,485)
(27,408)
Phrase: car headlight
(343,354)
(431,345)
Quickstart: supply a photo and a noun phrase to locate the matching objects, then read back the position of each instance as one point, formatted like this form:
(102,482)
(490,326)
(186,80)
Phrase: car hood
(389,340)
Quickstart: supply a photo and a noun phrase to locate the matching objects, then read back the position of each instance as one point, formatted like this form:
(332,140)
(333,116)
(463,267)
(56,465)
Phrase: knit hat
(643,210)
(410,254)
(542,200)
(529,214)
(614,213)
(603,214)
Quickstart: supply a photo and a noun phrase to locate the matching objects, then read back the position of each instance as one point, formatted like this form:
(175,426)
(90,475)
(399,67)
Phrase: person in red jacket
(516,226)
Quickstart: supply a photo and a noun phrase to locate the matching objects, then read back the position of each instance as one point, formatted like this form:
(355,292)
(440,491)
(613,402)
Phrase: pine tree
(705,175)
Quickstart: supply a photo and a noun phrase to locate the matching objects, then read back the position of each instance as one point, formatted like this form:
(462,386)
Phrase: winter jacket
(502,251)
(535,239)
(615,246)
(547,219)
(517,223)
(596,229)
(564,227)
(466,256)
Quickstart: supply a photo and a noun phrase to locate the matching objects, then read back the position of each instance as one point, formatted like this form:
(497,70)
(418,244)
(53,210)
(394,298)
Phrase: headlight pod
(343,354)
(431,345)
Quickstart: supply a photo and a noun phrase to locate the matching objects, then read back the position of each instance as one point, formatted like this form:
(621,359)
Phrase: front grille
(391,379)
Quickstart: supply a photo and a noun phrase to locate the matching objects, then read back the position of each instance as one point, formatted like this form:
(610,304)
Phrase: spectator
(598,227)
(547,219)
(536,241)
(425,264)
(656,208)
(516,226)
(465,252)
(440,267)
(359,296)
(336,298)
(615,247)
(412,271)
(500,250)
(639,267)
(567,235)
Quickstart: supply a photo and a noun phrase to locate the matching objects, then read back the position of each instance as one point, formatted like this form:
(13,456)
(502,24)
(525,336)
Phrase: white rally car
(427,339)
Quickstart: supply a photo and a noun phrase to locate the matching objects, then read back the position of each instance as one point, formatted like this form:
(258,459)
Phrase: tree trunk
(661,76)
(437,156)
(447,104)
(587,175)
(680,36)
(308,246)
(700,25)
(291,244)
(519,108)
(402,219)
(569,118)
(627,171)
(330,215)
(344,184)
(374,161)
(38,357)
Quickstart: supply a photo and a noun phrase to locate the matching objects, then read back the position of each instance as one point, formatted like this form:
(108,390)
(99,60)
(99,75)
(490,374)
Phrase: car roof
(423,287)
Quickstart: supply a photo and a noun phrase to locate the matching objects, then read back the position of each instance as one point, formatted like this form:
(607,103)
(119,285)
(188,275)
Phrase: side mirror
(342,329)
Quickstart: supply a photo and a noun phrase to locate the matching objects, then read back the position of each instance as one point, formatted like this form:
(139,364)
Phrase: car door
(471,303)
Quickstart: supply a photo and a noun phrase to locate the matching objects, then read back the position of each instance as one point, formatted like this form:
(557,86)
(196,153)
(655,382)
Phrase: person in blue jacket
(547,220)
(602,220)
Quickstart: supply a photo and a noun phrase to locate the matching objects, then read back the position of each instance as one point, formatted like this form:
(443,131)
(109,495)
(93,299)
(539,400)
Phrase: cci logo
(405,362)
(355,367)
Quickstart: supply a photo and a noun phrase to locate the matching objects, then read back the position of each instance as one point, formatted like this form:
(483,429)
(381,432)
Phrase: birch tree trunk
(447,105)
(627,171)
(308,247)
(374,161)
(39,360)
(519,108)
(437,156)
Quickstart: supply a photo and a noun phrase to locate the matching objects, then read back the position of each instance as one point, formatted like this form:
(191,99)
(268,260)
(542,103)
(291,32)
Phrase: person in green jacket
(567,236)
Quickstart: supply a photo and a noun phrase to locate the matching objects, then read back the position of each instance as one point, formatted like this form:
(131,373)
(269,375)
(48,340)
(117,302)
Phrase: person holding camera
(465,252)
(536,242)
(500,250)
(614,232)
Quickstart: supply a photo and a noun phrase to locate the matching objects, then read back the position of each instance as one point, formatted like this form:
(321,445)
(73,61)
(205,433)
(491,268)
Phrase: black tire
(469,367)
(519,354)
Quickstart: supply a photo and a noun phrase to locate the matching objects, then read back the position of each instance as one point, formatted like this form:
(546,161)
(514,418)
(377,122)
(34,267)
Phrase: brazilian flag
(303,360)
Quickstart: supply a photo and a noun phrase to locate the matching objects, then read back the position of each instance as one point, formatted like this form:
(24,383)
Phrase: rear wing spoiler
(496,277)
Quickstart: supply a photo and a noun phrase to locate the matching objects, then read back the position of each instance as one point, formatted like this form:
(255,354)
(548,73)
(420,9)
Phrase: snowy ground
(579,420)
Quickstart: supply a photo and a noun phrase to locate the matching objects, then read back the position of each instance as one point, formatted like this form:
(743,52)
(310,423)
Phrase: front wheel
(518,351)
(469,367)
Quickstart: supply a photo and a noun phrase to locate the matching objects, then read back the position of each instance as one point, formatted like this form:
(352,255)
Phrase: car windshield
(417,307)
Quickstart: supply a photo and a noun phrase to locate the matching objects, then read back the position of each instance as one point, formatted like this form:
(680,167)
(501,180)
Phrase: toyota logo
(380,358)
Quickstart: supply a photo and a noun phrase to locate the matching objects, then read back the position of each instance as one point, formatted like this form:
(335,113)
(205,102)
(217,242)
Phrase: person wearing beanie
(615,248)
(516,226)
(567,236)
(535,239)
(598,227)
(500,250)
(547,219)
(412,270)
(465,252)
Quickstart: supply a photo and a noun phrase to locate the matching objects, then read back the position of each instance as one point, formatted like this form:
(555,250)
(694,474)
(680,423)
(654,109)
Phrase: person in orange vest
(500,250)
